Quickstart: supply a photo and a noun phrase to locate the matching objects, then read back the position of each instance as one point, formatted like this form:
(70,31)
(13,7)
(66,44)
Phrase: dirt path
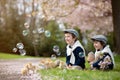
(10,69)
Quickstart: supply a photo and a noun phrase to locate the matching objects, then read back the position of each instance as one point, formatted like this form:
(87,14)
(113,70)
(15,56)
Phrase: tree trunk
(116,22)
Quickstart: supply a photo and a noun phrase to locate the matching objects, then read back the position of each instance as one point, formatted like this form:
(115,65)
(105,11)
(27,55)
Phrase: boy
(75,53)
(103,54)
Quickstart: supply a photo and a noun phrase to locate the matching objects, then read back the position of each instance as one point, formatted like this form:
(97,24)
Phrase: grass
(11,56)
(63,74)
(59,74)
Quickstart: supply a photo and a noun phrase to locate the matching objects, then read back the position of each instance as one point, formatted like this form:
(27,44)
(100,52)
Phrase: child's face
(69,39)
(97,45)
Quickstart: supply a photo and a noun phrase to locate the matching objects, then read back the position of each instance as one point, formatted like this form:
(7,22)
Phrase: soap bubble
(26,25)
(22,52)
(25,32)
(40,30)
(58,53)
(20,45)
(56,48)
(15,49)
(53,56)
(34,31)
(47,33)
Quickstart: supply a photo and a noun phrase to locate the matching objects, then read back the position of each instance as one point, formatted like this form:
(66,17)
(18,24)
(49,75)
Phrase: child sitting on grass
(103,55)
(75,53)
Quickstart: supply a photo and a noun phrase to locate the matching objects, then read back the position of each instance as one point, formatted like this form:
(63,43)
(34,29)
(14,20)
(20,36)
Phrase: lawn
(63,74)
(11,56)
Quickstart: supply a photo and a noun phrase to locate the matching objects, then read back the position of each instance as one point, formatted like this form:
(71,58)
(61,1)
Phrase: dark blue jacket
(79,57)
